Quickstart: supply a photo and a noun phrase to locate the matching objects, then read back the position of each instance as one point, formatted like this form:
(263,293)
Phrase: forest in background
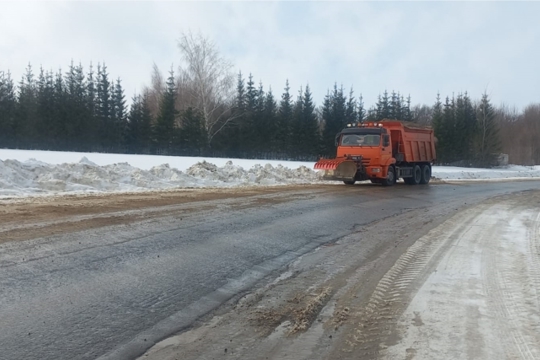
(203,108)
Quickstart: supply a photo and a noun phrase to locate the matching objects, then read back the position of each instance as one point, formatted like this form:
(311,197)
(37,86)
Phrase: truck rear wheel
(426,174)
(417,175)
(390,177)
(349,182)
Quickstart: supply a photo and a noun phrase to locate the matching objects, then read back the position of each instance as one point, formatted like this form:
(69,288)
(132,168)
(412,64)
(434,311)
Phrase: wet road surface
(113,292)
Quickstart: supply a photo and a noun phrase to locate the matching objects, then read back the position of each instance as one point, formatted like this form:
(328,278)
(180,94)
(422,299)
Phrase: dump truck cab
(382,152)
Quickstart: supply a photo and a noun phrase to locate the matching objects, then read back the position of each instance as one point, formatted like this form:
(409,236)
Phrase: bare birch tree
(155,92)
(208,80)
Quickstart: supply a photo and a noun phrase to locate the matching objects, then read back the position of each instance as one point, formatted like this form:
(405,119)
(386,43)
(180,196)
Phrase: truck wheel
(417,175)
(426,174)
(349,182)
(390,177)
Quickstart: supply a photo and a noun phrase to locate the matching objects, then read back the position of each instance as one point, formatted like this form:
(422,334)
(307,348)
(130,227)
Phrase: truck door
(386,149)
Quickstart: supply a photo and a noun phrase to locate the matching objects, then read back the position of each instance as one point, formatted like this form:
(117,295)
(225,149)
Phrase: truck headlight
(376,170)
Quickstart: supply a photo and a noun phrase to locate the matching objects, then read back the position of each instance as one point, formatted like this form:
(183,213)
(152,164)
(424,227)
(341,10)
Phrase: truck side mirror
(337,139)
(386,140)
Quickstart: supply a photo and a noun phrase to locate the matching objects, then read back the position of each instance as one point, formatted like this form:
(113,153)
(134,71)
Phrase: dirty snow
(27,172)
(481,301)
(508,172)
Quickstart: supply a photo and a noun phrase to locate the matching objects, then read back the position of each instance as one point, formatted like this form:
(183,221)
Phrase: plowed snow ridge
(24,172)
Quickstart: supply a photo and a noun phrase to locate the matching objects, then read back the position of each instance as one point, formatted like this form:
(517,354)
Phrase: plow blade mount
(337,169)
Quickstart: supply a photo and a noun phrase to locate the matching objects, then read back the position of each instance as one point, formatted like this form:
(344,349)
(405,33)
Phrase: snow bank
(509,173)
(36,177)
(24,172)
(144,162)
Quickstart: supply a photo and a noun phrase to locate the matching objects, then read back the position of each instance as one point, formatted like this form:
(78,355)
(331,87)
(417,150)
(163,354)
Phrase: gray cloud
(415,48)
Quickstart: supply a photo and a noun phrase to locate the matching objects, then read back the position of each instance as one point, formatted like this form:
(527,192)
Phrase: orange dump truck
(382,152)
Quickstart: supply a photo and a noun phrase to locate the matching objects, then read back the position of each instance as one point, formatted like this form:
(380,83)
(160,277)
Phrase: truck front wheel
(390,177)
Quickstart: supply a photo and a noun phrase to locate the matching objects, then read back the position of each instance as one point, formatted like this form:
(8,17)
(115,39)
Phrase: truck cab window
(360,140)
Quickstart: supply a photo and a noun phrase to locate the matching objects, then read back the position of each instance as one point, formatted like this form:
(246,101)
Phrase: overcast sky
(417,48)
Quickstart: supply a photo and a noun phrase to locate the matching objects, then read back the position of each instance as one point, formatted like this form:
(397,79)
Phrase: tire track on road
(482,300)
(507,285)
(376,322)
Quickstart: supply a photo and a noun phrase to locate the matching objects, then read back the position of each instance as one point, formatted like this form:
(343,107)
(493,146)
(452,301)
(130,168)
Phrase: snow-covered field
(26,172)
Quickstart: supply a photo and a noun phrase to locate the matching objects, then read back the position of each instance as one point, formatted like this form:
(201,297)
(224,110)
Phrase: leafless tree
(422,114)
(207,82)
(155,91)
(520,132)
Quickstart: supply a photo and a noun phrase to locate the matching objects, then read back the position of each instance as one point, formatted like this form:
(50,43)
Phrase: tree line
(205,109)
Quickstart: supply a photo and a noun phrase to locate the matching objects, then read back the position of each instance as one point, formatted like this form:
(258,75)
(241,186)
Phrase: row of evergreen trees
(70,111)
(466,133)
(77,111)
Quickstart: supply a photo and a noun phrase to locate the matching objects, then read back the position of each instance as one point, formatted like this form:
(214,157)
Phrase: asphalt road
(113,292)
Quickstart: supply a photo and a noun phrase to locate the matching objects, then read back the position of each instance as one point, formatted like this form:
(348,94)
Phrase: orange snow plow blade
(337,169)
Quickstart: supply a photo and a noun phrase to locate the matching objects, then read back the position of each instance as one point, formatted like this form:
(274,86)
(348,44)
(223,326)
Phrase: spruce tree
(78,114)
(487,142)
(27,118)
(383,107)
(165,134)
(105,109)
(437,112)
(248,126)
(407,114)
(394,111)
(285,118)
(240,94)
(334,119)
(297,144)
(145,129)
(447,137)
(133,125)
(48,134)
(351,113)
(8,106)
(270,119)
(361,112)
(327,141)
(437,122)
(339,107)
(119,118)
(262,141)
(92,108)
(60,112)
(193,132)
(310,127)
(138,131)
(464,128)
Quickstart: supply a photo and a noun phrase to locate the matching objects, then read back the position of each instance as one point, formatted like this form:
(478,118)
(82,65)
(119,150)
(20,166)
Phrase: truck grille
(366,161)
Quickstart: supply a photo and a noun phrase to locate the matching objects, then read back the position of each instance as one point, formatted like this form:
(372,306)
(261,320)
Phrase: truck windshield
(360,140)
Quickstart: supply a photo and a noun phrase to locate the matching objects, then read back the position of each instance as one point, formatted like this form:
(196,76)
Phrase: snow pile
(144,162)
(470,174)
(50,172)
(258,174)
(33,176)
